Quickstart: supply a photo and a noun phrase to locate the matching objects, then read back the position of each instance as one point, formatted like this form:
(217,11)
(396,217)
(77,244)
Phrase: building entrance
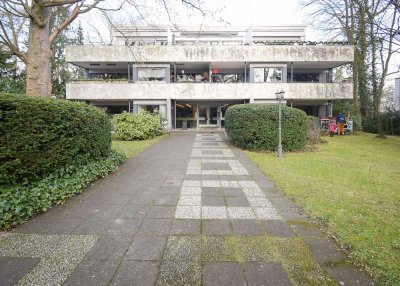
(209,116)
(192,114)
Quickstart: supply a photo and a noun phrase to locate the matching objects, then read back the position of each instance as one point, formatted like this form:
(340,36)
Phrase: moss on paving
(299,262)
(181,266)
(351,184)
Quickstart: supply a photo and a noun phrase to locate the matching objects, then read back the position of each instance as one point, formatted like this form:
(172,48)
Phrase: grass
(131,148)
(351,185)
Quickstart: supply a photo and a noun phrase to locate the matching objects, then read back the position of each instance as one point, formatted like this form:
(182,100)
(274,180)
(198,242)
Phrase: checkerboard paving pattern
(190,204)
(205,167)
(212,152)
(241,199)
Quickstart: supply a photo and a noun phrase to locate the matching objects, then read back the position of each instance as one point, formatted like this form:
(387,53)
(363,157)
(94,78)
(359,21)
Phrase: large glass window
(272,74)
(151,74)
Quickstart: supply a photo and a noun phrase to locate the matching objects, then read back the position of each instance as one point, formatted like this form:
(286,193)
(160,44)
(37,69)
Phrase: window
(151,74)
(272,74)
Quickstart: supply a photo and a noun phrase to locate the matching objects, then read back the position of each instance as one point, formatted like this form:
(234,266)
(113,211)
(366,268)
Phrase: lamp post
(280,96)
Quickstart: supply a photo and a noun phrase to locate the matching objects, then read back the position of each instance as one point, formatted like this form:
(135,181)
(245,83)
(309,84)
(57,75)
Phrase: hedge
(39,135)
(137,126)
(18,203)
(389,121)
(255,127)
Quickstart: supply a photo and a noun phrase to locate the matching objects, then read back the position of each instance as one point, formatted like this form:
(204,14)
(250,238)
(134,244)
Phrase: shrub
(313,131)
(39,135)
(255,127)
(137,126)
(18,203)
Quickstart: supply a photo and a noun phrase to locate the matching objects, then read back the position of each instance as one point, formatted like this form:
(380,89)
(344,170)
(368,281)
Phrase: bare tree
(372,26)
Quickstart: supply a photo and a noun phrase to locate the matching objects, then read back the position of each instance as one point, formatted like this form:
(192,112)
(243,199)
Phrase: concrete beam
(251,53)
(207,91)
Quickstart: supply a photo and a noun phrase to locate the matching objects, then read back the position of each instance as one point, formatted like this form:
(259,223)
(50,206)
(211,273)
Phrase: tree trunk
(38,73)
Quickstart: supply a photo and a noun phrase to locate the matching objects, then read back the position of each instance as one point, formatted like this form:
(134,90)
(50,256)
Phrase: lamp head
(280,94)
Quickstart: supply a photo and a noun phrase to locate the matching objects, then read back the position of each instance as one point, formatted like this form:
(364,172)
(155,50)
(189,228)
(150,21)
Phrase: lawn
(131,148)
(351,186)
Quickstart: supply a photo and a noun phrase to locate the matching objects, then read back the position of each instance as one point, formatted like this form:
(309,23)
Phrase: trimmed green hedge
(39,135)
(255,127)
(137,126)
(18,203)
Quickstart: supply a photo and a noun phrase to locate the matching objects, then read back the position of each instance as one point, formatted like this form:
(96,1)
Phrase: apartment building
(192,75)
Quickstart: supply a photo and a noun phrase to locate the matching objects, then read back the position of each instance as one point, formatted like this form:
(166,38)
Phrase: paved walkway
(190,210)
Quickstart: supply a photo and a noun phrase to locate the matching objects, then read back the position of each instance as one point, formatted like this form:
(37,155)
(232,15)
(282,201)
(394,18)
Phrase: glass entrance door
(208,115)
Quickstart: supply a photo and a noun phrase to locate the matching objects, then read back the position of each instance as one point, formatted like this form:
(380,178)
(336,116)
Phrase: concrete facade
(193,76)
(202,91)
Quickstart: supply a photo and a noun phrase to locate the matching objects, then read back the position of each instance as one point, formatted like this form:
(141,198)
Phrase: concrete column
(169,117)
(245,71)
(251,100)
(291,72)
(209,73)
(174,72)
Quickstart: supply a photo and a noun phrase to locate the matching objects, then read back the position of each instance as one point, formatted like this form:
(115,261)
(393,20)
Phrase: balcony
(335,54)
(119,90)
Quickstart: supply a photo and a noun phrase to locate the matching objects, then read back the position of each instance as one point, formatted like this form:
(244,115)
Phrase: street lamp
(280,95)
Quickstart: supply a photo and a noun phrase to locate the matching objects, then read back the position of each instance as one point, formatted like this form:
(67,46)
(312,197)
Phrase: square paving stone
(146,248)
(223,273)
(116,199)
(216,227)
(106,211)
(278,228)
(307,230)
(93,272)
(50,225)
(348,274)
(161,212)
(213,201)
(208,212)
(167,200)
(237,202)
(240,213)
(124,227)
(109,247)
(173,183)
(188,212)
(233,192)
(12,269)
(325,250)
(189,200)
(155,227)
(179,273)
(138,273)
(168,190)
(215,166)
(265,273)
(215,192)
(246,227)
(185,248)
(141,200)
(185,226)
(94,226)
(133,211)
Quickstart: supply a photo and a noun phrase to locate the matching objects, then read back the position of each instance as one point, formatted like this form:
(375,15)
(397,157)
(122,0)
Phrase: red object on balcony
(214,71)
